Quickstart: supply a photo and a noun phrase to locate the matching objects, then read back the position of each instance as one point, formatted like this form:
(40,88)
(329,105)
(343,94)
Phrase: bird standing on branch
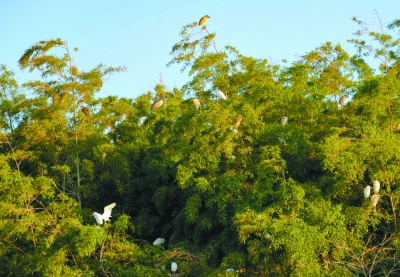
(85,110)
(157,104)
(203,20)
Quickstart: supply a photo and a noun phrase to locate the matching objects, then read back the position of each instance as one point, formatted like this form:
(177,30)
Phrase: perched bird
(105,216)
(283,120)
(376,185)
(342,99)
(221,95)
(374,200)
(238,121)
(174,267)
(157,104)
(367,191)
(159,241)
(85,110)
(142,120)
(203,20)
(196,103)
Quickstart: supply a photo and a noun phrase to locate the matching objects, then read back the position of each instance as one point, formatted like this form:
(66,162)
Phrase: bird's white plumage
(221,95)
(159,241)
(230,270)
(283,120)
(142,120)
(196,103)
(374,200)
(106,214)
(98,218)
(174,267)
(367,191)
(376,185)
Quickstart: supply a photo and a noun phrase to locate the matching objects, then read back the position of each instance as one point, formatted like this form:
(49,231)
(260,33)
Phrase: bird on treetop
(105,216)
(85,110)
(157,104)
(203,20)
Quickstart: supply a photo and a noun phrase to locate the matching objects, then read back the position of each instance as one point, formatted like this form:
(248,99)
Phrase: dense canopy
(250,169)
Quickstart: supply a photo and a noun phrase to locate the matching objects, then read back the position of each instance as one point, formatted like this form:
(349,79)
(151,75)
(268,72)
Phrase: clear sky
(140,34)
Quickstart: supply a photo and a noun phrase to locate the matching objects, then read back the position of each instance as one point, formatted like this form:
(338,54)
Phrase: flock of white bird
(374,198)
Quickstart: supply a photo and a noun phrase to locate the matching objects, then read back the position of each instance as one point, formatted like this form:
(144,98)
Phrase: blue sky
(140,34)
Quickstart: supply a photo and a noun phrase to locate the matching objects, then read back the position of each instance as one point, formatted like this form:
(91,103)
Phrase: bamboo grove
(232,190)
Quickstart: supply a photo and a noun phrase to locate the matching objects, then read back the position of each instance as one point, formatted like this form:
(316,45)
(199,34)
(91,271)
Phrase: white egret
(142,120)
(283,120)
(376,185)
(157,104)
(367,191)
(374,200)
(159,241)
(221,95)
(174,267)
(196,103)
(105,216)
(203,20)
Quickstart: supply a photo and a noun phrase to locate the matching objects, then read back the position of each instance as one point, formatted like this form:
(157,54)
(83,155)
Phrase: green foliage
(231,190)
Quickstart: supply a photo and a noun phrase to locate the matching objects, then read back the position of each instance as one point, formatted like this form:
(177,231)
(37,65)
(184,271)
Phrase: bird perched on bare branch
(85,110)
(203,20)
(157,104)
